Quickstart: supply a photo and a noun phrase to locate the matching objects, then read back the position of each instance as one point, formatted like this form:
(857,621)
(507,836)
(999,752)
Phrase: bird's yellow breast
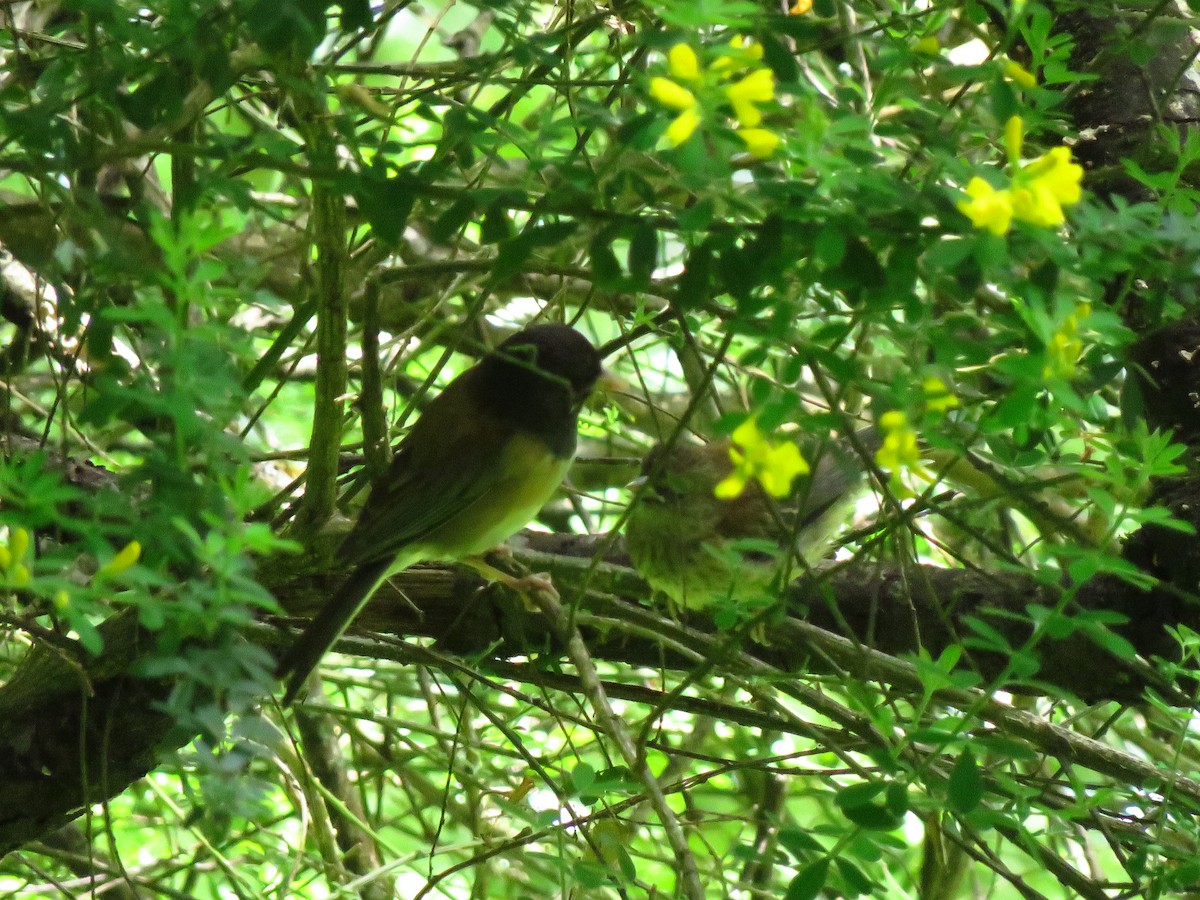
(531,474)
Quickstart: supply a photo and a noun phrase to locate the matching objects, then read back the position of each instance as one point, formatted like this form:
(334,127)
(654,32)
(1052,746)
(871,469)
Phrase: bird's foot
(525,585)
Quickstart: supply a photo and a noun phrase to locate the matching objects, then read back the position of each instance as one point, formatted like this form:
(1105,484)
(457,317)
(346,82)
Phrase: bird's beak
(638,483)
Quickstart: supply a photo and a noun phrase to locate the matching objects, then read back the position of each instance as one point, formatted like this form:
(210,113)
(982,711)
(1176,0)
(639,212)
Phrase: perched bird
(484,456)
(699,550)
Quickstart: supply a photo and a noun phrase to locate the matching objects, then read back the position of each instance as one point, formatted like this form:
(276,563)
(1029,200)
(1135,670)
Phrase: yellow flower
(938,397)
(125,558)
(742,51)
(683,63)
(988,208)
(747,46)
(757,87)
(1043,187)
(1034,203)
(668,93)
(1065,346)
(1037,193)
(15,571)
(676,96)
(682,127)
(899,452)
(754,457)
(1014,137)
(1057,174)
(759,142)
(692,90)
(18,543)
(800,7)
(1023,77)
(928,45)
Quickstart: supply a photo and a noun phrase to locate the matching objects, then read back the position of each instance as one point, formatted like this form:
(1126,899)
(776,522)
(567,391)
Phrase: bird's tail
(837,472)
(327,626)
(828,495)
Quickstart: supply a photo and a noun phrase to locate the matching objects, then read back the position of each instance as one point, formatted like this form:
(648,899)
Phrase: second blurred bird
(699,550)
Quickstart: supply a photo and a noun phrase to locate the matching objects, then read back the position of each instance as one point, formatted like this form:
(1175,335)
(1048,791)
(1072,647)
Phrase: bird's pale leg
(523,585)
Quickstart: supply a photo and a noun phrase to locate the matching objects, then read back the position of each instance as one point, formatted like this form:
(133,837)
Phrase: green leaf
(799,843)
(286,26)
(450,223)
(643,253)
(965,789)
(829,248)
(809,882)
(155,100)
(780,58)
(496,226)
(385,202)
(583,777)
(698,216)
(854,882)
(859,804)
(861,794)
(355,14)
(695,284)
(606,271)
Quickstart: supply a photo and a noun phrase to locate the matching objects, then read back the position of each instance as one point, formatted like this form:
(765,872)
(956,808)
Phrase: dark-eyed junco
(484,456)
(699,550)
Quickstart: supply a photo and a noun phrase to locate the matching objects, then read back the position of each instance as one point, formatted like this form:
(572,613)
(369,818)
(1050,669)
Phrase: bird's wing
(453,456)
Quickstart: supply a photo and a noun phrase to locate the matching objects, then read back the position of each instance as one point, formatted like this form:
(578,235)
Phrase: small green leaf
(854,882)
(695,284)
(385,203)
(799,843)
(495,226)
(809,882)
(583,776)
(355,14)
(452,220)
(859,804)
(965,788)
(606,271)
(698,216)
(829,248)
(643,253)
(780,58)
(861,794)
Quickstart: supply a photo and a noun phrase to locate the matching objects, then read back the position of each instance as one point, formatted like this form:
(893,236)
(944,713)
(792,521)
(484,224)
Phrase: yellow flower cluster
(756,457)
(1065,346)
(692,90)
(938,397)
(1037,193)
(899,451)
